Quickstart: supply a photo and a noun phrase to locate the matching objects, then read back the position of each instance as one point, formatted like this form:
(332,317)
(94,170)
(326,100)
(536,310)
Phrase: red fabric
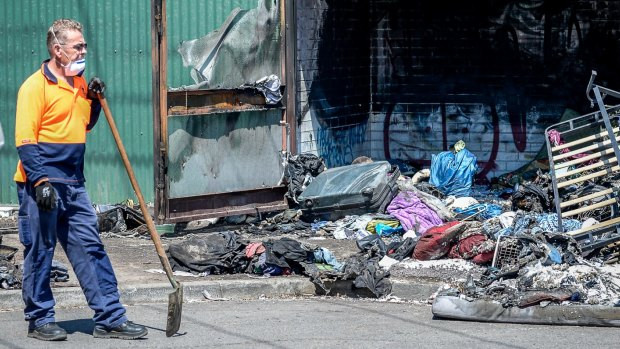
(465,248)
(483,258)
(435,243)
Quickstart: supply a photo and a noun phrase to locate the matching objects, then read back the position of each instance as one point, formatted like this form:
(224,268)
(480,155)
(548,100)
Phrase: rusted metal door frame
(167,103)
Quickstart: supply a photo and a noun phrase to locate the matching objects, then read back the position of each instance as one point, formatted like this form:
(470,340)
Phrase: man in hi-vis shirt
(55,110)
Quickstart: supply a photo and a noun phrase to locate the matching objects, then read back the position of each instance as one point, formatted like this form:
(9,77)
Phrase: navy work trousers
(73,223)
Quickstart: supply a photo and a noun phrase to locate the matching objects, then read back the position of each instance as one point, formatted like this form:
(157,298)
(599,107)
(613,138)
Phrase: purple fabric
(412,213)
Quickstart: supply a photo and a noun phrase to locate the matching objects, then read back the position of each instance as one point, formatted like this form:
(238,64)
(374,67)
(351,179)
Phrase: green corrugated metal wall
(119,51)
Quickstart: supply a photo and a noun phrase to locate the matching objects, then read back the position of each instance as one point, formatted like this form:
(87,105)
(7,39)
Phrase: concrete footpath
(135,263)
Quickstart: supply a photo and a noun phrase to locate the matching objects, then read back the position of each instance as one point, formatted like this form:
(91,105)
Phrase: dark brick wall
(493,73)
(334,59)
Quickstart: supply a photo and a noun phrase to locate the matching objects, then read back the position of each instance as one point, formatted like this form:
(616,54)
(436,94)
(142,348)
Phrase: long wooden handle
(147,217)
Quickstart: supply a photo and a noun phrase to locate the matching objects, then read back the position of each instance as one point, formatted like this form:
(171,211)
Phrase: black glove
(95,86)
(46,196)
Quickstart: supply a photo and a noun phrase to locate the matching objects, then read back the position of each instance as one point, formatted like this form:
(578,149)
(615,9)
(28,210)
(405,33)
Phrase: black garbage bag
(403,249)
(367,275)
(287,253)
(215,253)
(299,172)
(531,197)
(372,242)
(119,219)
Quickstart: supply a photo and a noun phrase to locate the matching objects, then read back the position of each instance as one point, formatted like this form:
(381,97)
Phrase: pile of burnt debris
(545,233)
(507,226)
(10,275)
(11,270)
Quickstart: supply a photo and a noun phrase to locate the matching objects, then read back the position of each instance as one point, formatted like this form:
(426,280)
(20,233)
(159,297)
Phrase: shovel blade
(175,306)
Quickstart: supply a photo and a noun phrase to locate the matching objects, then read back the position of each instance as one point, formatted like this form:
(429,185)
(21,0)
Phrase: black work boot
(128,330)
(48,332)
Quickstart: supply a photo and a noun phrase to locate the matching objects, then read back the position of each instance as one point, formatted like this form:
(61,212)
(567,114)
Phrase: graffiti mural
(495,77)
(341,146)
(493,73)
(415,136)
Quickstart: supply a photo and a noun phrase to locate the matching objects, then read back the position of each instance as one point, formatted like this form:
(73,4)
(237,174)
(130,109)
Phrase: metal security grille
(507,251)
(583,159)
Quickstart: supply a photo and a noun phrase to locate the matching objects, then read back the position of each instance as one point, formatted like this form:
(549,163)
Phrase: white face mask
(74,67)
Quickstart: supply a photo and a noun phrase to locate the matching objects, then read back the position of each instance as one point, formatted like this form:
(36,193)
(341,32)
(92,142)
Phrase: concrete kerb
(275,287)
(415,289)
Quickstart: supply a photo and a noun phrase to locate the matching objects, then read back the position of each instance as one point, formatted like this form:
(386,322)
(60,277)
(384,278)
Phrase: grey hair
(58,31)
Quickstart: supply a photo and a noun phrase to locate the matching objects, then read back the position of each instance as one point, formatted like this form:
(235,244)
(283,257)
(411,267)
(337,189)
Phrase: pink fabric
(253,249)
(556,139)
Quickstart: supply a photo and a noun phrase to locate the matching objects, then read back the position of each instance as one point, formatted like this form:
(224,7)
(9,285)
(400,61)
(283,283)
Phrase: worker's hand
(46,196)
(95,86)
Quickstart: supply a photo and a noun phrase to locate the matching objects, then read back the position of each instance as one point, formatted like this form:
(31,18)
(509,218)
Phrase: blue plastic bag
(553,256)
(453,173)
(386,230)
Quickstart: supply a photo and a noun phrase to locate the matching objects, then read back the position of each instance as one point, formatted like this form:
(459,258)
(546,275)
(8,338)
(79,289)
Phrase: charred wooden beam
(195,102)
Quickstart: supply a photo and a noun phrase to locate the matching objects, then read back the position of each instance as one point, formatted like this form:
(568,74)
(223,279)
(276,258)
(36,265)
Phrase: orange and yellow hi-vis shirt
(51,123)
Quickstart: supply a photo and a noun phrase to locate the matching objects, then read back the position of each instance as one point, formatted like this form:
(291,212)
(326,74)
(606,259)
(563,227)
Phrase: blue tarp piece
(485,210)
(453,173)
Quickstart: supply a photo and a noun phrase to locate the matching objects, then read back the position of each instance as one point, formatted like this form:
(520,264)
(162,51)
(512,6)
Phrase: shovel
(175,299)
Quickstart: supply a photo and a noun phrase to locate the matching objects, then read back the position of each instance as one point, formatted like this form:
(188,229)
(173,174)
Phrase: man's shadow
(81,325)
(88,325)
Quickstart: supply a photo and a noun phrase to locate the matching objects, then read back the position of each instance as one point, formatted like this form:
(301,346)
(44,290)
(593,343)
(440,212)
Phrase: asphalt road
(309,323)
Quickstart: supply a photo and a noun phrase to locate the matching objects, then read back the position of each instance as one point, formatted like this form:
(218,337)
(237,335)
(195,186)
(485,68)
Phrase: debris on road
(11,270)
(10,275)
(523,253)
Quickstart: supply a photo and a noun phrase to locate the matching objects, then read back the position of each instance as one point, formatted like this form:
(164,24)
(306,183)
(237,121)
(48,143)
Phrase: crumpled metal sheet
(244,49)
(224,153)
(1,137)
